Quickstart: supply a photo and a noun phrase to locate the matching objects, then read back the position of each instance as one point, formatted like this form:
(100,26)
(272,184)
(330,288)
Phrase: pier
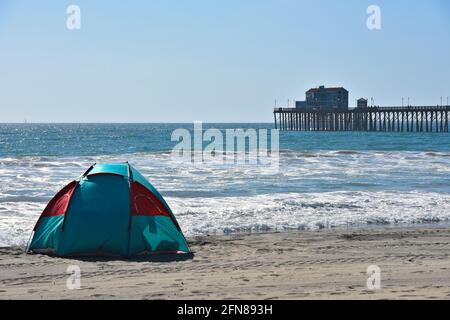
(377,119)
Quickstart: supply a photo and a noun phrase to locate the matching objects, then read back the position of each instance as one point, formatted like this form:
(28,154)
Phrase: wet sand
(327,264)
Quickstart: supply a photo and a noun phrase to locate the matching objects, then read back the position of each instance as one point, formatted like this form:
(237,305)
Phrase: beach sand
(327,264)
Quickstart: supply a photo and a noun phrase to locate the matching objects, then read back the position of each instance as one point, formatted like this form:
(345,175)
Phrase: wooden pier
(385,119)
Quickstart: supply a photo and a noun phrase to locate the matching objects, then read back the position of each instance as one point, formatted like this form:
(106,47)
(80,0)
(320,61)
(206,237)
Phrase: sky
(214,61)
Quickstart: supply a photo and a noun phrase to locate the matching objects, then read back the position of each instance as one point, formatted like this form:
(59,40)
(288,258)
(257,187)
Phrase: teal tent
(110,210)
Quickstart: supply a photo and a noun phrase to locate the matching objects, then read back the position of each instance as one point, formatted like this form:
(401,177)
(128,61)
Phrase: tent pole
(130,178)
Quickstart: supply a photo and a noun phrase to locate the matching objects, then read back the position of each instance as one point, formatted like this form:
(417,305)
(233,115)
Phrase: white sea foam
(312,190)
(275,212)
(310,211)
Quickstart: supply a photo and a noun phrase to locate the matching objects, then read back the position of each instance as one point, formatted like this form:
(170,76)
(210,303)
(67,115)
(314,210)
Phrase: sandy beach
(328,264)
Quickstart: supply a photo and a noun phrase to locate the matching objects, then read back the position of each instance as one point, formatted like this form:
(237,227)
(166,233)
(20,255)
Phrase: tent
(110,210)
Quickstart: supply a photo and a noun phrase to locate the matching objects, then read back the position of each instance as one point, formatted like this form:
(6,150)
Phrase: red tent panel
(59,204)
(145,203)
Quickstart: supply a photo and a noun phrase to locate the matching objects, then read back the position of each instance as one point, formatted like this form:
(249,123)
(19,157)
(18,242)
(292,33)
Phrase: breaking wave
(311,189)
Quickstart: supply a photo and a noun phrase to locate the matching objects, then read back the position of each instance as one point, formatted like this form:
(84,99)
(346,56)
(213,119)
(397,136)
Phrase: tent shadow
(142,258)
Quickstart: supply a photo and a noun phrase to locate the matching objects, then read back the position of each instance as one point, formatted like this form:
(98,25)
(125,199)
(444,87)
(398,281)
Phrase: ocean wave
(309,211)
(22,198)
(63,160)
(437,154)
(346,152)
(310,189)
(271,212)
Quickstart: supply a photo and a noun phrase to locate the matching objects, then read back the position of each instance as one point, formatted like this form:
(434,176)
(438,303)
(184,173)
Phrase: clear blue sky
(215,61)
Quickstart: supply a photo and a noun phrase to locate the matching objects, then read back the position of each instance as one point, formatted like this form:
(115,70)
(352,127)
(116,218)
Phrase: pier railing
(374,118)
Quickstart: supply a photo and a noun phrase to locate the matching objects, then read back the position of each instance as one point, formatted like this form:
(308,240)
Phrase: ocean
(325,179)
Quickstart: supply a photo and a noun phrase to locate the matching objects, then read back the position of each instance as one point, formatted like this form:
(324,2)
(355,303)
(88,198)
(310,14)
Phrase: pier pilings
(384,119)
